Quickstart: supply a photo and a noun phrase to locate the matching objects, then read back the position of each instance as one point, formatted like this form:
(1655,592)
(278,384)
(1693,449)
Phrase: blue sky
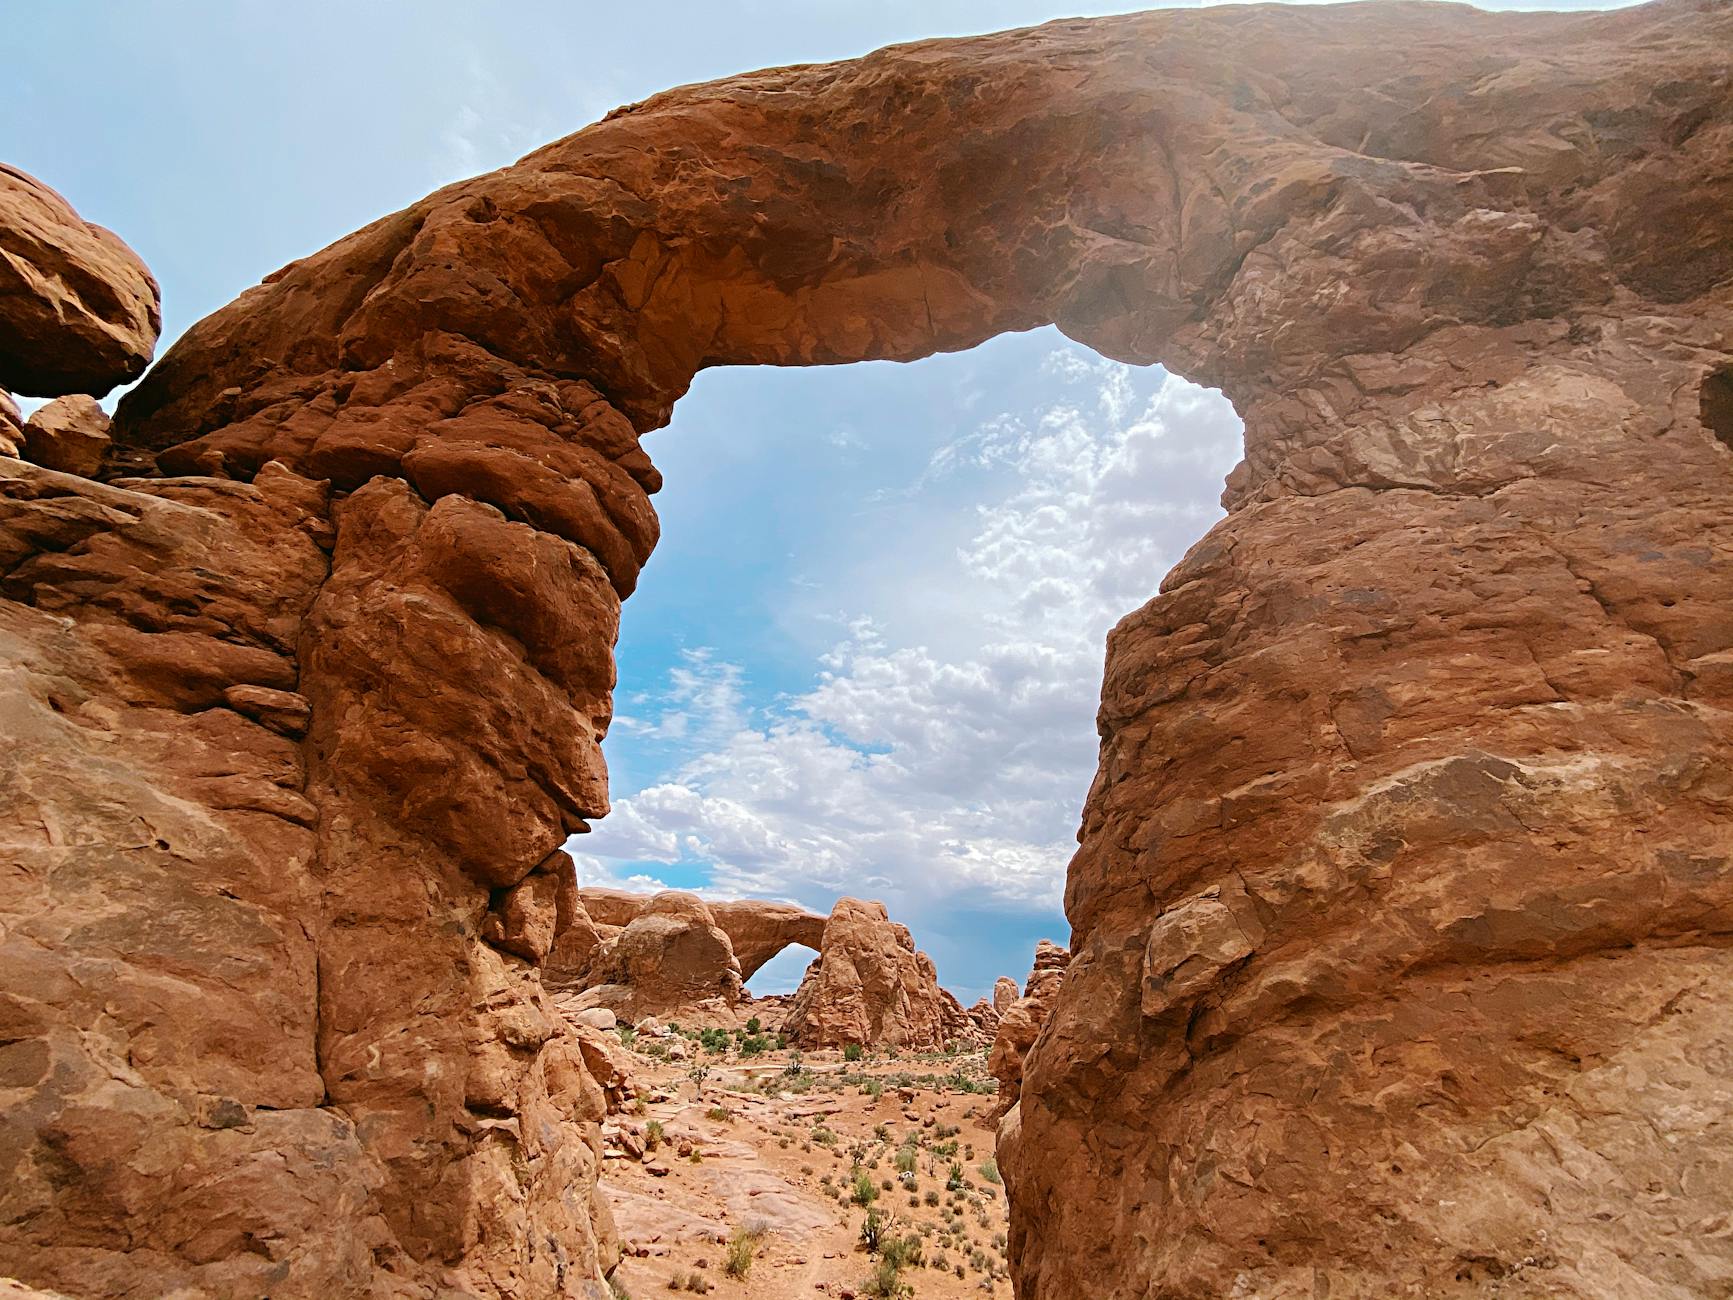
(866,656)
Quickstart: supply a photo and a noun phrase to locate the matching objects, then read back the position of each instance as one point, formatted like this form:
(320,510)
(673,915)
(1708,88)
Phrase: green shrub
(753,1044)
(885,1282)
(954,1179)
(742,1250)
(902,1252)
(755,1026)
(853,1052)
(864,1192)
(990,1170)
(653,1135)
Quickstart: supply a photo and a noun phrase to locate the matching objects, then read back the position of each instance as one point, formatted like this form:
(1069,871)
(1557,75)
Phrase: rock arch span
(1402,898)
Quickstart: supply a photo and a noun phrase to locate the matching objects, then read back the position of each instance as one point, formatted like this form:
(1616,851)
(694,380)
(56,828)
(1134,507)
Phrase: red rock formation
(1004,993)
(756,930)
(689,964)
(670,960)
(69,434)
(870,986)
(1401,909)
(79,313)
(1020,1022)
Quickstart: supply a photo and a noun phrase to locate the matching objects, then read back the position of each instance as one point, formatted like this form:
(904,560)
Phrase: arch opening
(866,656)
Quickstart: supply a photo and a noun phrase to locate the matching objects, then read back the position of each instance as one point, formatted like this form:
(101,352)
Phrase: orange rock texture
(870,987)
(1402,907)
(1021,1020)
(79,312)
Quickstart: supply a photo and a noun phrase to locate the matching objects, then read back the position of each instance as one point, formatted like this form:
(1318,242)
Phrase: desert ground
(763,1173)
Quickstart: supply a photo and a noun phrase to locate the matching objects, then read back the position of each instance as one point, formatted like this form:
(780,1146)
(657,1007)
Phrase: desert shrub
(753,1045)
(628,1035)
(864,1193)
(954,1179)
(885,1282)
(853,1052)
(903,1252)
(796,1065)
(742,1250)
(617,1289)
(720,1114)
(755,1026)
(932,1197)
(907,1157)
(653,1134)
(990,1171)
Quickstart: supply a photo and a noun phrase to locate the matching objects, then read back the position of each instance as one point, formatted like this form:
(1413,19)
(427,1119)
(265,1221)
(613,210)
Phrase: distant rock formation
(1004,993)
(671,954)
(1020,1023)
(671,960)
(871,987)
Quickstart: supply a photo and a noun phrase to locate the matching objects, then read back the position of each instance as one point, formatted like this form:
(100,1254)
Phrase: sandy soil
(785,1146)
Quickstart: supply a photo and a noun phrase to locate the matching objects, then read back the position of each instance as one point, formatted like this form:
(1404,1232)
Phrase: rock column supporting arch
(1401,908)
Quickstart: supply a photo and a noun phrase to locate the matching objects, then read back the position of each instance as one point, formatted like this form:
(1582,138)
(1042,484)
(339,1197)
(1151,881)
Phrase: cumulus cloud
(941,755)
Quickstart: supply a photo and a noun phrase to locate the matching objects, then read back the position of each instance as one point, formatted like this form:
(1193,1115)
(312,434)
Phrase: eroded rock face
(671,954)
(1020,1022)
(69,434)
(1400,915)
(671,959)
(79,313)
(871,987)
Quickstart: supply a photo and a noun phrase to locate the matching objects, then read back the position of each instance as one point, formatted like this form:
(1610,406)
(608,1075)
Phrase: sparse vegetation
(742,1250)
(990,1171)
(653,1134)
(864,1193)
(853,1052)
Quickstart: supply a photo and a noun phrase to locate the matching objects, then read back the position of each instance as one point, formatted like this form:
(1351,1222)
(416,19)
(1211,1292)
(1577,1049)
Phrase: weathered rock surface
(1020,1022)
(79,313)
(756,930)
(69,434)
(671,959)
(871,987)
(1401,910)
(11,425)
(1004,993)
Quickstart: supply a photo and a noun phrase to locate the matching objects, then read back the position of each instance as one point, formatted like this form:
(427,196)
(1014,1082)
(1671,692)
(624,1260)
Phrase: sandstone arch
(756,930)
(1405,876)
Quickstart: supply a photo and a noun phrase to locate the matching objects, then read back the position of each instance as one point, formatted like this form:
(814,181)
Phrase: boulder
(1004,993)
(69,434)
(670,961)
(79,313)
(870,986)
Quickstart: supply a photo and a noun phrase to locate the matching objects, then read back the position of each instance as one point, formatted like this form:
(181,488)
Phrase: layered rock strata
(1401,910)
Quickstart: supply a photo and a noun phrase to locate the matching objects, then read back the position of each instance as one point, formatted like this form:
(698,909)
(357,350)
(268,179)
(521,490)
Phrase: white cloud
(936,778)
